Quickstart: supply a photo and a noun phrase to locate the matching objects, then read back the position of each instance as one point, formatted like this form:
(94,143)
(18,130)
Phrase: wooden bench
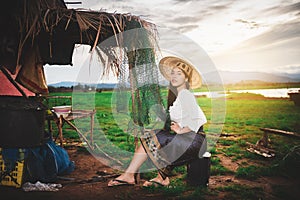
(265,139)
(262,145)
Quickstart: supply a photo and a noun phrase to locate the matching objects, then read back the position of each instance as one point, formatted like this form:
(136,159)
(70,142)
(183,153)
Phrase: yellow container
(14,178)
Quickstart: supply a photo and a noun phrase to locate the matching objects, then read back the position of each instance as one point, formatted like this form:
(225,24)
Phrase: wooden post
(60,134)
(92,127)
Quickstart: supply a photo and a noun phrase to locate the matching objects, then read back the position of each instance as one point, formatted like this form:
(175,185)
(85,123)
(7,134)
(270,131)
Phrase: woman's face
(177,77)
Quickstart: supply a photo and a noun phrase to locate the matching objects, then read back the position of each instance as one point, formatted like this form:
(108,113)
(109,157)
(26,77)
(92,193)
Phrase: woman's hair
(172,95)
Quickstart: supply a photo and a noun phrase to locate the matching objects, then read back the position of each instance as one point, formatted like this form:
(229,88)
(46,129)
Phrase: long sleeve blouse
(186,112)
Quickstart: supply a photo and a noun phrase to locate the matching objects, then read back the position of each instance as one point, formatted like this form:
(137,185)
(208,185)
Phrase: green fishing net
(144,87)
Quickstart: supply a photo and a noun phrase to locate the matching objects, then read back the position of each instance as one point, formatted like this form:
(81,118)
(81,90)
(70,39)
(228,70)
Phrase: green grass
(217,168)
(245,114)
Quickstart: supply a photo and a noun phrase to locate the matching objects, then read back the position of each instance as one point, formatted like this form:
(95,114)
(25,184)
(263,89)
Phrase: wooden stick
(108,155)
(281,132)
(79,132)
(261,148)
(92,126)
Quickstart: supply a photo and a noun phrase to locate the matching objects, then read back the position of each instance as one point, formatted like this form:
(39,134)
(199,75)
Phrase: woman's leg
(139,157)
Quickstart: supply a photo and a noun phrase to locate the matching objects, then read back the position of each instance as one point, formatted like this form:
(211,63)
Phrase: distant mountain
(70,84)
(235,77)
(106,85)
(292,76)
(63,84)
(227,77)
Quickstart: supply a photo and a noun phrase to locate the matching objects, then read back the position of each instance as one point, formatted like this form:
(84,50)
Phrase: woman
(180,141)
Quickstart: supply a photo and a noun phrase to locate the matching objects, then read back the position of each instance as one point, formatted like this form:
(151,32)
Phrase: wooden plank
(281,132)
(260,150)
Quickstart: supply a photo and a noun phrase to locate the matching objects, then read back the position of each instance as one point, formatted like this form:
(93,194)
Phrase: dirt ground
(89,181)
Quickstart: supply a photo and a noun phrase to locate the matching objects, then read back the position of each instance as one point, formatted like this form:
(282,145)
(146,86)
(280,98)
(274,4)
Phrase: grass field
(245,115)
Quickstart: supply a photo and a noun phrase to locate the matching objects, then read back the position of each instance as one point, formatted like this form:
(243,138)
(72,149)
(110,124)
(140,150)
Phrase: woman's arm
(177,129)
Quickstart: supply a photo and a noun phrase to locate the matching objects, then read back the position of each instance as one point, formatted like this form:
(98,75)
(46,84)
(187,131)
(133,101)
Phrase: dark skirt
(180,149)
(168,150)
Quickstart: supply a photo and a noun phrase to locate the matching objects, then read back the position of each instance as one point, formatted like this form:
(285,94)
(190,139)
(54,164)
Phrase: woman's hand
(177,129)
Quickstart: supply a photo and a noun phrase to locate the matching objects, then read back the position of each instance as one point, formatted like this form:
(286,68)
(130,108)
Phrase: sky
(238,35)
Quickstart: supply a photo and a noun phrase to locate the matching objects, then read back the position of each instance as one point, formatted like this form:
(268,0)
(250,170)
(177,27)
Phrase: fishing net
(138,76)
(138,93)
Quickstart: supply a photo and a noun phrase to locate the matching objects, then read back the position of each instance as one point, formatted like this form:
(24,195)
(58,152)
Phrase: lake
(277,93)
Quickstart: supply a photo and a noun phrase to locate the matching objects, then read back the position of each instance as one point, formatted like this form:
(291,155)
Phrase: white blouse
(186,111)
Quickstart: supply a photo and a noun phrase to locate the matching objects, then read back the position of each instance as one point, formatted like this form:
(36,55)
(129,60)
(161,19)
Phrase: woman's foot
(117,182)
(157,181)
(124,179)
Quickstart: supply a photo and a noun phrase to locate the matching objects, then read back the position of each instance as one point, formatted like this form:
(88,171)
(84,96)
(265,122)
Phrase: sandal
(153,183)
(119,183)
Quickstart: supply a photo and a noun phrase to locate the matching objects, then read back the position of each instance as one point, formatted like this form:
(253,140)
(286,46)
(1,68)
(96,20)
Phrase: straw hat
(168,63)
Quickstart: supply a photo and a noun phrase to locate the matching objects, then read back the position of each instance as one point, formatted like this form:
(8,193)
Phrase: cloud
(272,26)
(188,13)
(279,33)
(213,4)
(271,50)
(284,9)
(290,69)
(185,19)
(186,28)
(181,15)
(251,24)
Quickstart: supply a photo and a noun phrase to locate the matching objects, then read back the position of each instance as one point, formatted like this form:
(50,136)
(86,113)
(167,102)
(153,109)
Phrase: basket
(15,177)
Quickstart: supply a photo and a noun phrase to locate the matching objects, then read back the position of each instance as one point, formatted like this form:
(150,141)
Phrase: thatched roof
(38,32)
(47,26)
